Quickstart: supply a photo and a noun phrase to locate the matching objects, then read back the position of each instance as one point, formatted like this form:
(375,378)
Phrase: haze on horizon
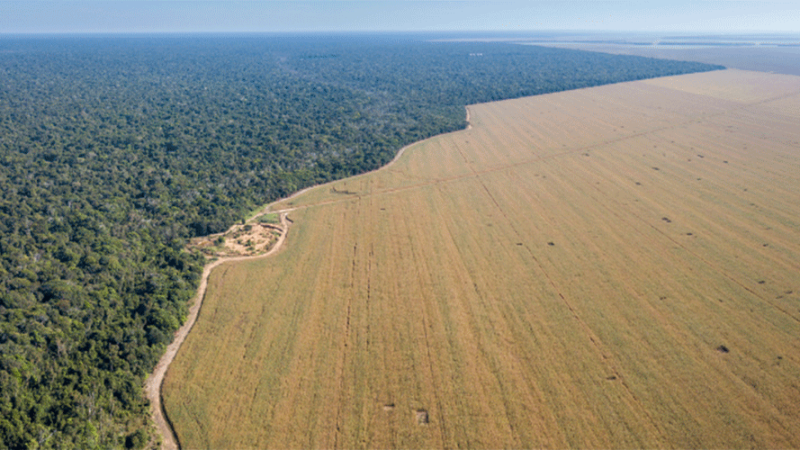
(231,16)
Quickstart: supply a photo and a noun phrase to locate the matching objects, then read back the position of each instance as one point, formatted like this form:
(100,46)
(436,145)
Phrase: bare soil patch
(250,239)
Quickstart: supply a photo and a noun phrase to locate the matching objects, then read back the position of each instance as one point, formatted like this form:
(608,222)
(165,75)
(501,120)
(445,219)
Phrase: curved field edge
(154,383)
(615,266)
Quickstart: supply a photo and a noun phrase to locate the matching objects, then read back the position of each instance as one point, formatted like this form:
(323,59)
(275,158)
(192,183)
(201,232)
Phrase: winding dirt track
(154,382)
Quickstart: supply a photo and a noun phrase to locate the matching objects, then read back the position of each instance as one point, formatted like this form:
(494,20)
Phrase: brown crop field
(614,267)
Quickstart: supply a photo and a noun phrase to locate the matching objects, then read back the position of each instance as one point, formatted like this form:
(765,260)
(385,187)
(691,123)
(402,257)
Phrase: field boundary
(549,276)
(267,209)
(154,383)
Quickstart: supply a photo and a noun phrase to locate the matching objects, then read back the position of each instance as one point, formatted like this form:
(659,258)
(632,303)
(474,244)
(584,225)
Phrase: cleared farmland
(609,267)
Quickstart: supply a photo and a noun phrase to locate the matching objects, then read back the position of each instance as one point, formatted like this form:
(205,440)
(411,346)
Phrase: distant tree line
(115,150)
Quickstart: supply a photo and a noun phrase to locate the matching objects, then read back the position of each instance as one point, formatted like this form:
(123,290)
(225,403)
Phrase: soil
(251,239)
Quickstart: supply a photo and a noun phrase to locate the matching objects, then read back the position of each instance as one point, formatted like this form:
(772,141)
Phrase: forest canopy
(115,150)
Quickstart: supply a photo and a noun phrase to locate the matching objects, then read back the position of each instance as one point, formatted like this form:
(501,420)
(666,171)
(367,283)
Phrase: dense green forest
(115,150)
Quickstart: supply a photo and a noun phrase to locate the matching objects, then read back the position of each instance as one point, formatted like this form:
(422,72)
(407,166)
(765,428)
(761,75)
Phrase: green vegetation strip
(271,218)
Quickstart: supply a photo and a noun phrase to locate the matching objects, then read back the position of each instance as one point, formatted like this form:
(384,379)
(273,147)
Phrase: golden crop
(614,267)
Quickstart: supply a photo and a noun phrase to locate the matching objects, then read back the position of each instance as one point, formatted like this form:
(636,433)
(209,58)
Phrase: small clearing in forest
(249,239)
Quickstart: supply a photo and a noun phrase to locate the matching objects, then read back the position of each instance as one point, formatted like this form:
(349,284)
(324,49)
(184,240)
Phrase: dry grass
(516,285)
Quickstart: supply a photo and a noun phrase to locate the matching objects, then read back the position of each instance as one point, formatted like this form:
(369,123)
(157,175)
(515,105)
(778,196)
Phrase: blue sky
(103,16)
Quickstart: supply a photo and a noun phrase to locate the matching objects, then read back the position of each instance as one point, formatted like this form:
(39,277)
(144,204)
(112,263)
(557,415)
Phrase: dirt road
(154,382)
(156,379)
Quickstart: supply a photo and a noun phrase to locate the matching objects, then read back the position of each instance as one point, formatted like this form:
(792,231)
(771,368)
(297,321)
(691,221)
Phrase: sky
(181,16)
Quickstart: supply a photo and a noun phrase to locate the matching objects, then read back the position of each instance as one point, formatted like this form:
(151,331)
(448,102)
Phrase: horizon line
(698,33)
